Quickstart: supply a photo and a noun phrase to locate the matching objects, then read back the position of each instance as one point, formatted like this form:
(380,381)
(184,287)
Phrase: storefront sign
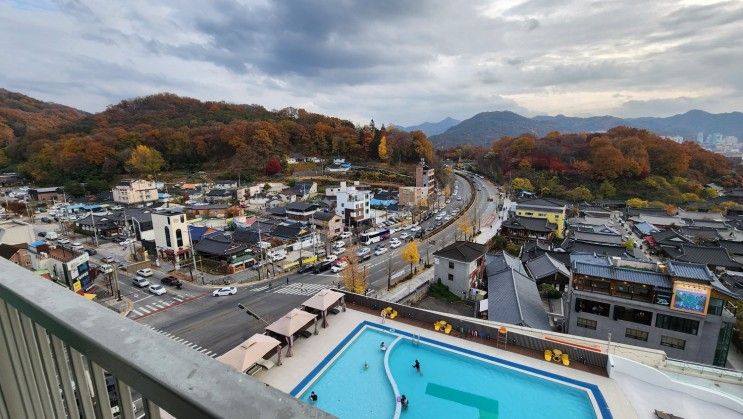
(690,297)
(663,298)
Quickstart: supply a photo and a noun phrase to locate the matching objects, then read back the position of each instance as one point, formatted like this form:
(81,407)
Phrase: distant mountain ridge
(485,127)
(433,128)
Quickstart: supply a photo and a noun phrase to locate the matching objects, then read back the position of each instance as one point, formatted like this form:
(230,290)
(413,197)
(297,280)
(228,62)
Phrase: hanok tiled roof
(529,224)
(703,233)
(220,244)
(462,251)
(573,246)
(669,236)
(542,203)
(287,231)
(687,270)
(733,247)
(545,266)
(301,207)
(324,215)
(496,262)
(220,193)
(601,238)
(514,298)
(708,255)
(637,276)
(645,228)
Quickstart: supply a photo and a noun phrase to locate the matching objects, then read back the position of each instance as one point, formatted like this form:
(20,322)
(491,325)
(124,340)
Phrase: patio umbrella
(291,323)
(323,301)
(251,351)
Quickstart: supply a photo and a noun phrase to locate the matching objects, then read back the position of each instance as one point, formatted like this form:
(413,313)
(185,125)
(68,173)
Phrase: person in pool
(417,366)
(404,401)
(313,396)
(366,366)
(382,347)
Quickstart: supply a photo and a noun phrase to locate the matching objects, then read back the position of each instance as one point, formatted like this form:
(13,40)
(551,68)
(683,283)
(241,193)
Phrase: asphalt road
(213,325)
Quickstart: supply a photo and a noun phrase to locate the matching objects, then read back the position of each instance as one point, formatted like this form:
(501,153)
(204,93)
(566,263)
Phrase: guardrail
(64,356)
(703,370)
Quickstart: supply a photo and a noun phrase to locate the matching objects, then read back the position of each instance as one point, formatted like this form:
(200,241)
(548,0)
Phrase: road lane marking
(144,309)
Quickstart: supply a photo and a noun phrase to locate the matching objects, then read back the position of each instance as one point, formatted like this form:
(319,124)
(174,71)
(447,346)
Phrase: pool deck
(308,353)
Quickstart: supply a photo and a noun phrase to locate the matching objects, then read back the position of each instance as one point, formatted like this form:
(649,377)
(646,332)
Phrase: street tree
(410,254)
(354,276)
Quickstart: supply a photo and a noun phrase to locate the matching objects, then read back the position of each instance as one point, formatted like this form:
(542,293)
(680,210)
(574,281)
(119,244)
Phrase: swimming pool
(453,382)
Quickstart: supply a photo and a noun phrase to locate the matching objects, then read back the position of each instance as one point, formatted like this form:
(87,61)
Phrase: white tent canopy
(291,323)
(324,300)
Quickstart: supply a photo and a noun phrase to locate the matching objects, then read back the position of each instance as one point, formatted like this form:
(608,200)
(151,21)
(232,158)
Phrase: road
(213,325)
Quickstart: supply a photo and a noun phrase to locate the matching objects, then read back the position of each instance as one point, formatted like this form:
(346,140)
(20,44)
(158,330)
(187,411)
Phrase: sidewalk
(406,288)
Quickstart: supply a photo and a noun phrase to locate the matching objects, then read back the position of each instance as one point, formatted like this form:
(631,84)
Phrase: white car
(346,235)
(339,243)
(145,272)
(404,236)
(225,291)
(339,251)
(338,267)
(394,230)
(126,242)
(363,251)
(415,228)
(63,241)
(107,259)
(107,269)
(140,282)
(395,243)
(381,250)
(157,289)
(331,258)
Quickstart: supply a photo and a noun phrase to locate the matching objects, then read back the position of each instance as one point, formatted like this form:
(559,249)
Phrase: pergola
(291,323)
(323,301)
(250,352)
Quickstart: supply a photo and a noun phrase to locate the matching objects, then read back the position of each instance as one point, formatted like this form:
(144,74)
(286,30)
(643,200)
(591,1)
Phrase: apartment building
(677,307)
(425,177)
(172,240)
(352,203)
(134,191)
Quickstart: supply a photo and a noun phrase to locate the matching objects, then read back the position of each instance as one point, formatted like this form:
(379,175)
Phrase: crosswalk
(300,288)
(156,306)
(188,343)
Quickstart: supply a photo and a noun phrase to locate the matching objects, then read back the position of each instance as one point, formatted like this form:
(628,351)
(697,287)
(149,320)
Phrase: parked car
(279,255)
(381,250)
(418,234)
(145,272)
(42,234)
(47,219)
(346,235)
(140,282)
(339,243)
(63,241)
(224,291)
(107,259)
(157,289)
(339,250)
(126,242)
(395,243)
(322,267)
(90,252)
(106,269)
(363,251)
(172,281)
(404,236)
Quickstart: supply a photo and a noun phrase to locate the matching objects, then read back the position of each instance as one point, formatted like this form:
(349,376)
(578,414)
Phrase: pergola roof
(323,300)
(245,355)
(291,323)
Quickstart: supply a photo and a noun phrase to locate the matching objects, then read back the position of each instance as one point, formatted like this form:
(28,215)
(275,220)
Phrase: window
(167,235)
(636,334)
(183,218)
(593,307)
(715,306)
(587,323)
(179,237)
(451,265)
(451,277)
(672,342)
(677,324)
(633,315)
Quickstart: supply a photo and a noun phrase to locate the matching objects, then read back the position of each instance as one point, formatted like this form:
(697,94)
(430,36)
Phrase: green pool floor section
(488,407)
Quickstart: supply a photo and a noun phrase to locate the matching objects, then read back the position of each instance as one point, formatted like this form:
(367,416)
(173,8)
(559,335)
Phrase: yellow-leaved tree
(354,276)
(145,161)
(466,229)
(410,254)
(382,150)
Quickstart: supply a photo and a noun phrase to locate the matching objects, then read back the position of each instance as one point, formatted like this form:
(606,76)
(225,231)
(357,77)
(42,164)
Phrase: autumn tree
(637,203)
(409,254)
(354,276)
(522,184)
(272,167)
(465,229)
(382,151)
(145,161)
(606,190)
(580,193)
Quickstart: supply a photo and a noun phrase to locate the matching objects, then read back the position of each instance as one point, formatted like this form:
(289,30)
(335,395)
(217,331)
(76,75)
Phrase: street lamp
(247,310)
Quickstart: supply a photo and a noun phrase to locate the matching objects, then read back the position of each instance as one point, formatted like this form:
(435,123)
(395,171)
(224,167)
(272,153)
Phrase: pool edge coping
(593,391)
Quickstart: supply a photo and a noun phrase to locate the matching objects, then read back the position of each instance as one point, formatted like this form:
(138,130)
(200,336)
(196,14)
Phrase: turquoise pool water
(451,385)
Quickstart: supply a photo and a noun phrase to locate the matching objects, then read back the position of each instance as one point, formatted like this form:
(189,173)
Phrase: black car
(307,267)
(418,234)
(172,281)
(322,267)
(90,252)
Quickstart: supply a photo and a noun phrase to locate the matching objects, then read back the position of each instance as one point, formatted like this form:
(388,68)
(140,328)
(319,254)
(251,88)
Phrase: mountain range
(433,128)
(485,127)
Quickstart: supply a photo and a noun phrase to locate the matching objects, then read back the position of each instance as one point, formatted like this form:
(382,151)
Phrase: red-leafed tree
(272,167)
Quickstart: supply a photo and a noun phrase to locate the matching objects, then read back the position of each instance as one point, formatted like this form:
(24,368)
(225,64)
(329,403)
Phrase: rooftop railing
(64,356)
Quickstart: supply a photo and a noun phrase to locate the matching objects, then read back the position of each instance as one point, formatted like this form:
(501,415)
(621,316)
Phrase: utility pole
(95,229)
(116,284)
(389,270)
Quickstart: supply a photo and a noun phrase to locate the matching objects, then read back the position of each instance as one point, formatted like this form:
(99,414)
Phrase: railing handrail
(704,366)
(178,379)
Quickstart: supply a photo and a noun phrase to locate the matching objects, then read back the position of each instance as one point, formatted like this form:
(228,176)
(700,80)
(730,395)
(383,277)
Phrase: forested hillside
(150,134)
(621,163)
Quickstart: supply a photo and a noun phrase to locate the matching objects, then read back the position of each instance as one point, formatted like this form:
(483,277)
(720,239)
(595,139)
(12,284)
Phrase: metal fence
(62,356)
(469,328)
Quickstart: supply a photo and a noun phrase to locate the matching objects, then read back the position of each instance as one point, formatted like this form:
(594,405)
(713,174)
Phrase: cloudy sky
(395,61)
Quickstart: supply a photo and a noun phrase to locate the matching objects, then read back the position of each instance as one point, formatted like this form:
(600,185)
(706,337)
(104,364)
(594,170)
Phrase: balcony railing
(64,356)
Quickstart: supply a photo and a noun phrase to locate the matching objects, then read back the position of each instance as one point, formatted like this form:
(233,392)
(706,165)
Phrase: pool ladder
(416,340)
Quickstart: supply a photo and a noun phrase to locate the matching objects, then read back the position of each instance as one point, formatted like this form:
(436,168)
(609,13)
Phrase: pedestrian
(417,367)
(287,280)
